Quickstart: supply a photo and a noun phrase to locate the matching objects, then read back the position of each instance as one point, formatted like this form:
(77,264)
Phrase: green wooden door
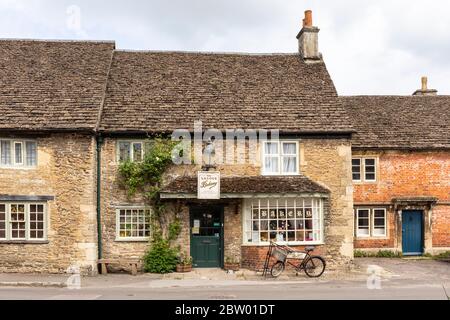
(206,236)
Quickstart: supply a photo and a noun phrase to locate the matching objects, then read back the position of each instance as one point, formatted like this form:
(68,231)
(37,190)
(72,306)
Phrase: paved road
(399,289)
(399,279)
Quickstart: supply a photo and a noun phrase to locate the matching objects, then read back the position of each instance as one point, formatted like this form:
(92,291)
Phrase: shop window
(291,221)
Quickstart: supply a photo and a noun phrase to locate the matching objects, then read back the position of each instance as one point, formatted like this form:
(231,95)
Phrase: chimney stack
(425,91)
(308,40)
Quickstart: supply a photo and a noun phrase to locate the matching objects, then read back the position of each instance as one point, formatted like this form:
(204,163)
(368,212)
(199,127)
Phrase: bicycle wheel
(315,266)
(277,269)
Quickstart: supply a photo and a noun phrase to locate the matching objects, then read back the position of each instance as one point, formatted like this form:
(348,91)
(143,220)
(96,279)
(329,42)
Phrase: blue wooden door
(412,232)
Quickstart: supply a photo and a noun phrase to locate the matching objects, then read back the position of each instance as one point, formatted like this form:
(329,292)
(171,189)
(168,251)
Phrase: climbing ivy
(146,177)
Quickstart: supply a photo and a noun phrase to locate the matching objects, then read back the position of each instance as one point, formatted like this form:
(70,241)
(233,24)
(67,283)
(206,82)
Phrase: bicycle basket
(279,255)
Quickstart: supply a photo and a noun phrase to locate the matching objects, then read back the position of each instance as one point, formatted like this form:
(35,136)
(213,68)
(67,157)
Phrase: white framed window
(18,153)
(364,169)
(379,222)
(363,222)
(289,221)
(371,222)
(23,221)
(356,169)
(133,223)
(128,150)
(280,158)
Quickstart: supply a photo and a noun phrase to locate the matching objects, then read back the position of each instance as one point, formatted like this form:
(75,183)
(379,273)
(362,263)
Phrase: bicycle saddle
(309,249)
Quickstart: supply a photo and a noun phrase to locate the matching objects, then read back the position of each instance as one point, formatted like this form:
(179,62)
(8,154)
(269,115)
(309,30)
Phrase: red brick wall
(409,174)
(441,226)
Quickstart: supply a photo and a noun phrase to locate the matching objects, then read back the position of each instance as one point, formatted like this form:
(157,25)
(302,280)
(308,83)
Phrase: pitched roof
(187,185)
(163,91)
(405,122)
(52,85)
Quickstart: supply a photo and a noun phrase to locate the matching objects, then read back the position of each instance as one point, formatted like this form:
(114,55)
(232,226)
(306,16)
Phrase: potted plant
(184,263)
(231,264)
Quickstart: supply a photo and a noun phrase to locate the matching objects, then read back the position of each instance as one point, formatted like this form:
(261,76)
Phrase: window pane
(5,156)
(271,165)
(17,221)
(271,148)
(124,151)
(369,162)
(18,153)
(363,222)
(289,148)
(137,151)
(31,150)
(379,213)
(2,221)
(36,221)
(356,169)
(370,176)
(289,164)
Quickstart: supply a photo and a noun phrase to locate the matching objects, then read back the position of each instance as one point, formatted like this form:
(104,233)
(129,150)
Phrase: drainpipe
(99,140)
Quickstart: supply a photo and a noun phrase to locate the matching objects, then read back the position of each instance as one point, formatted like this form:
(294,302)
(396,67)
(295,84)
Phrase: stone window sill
(23,242)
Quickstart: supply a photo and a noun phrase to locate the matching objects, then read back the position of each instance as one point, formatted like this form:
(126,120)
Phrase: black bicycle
(314,266)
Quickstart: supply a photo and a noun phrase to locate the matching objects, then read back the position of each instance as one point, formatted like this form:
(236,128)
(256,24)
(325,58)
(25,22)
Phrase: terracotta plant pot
(184,268)
(231,266)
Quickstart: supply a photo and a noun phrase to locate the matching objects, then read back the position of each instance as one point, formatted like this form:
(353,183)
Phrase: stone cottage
(401,171)
(50,96)
(299,189)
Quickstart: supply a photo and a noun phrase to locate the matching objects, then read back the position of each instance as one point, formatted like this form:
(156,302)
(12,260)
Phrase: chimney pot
(307,22)
(424,83)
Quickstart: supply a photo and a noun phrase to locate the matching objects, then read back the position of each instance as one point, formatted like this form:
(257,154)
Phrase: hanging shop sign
(208,185)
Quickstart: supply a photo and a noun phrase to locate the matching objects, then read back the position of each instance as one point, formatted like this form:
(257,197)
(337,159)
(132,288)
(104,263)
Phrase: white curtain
(6,152)
(271,157)
(289,157)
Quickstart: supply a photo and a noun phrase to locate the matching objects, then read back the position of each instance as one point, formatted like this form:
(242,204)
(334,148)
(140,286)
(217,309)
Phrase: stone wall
(409,174)
(66,170)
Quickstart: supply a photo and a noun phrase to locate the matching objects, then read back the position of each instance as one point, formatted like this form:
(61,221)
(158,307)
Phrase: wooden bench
(133,263)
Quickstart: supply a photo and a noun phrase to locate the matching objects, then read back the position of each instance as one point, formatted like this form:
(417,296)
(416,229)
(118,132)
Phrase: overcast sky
(370,46)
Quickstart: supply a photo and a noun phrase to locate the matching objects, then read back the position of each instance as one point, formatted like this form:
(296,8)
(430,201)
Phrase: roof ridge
(210,52)
(392,96)
(56,40)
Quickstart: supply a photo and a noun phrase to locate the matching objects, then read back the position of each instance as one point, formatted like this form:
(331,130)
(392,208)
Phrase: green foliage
(161,257)
(442,256)
(184,259)
(379,254)
(147,175)
(174,229)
